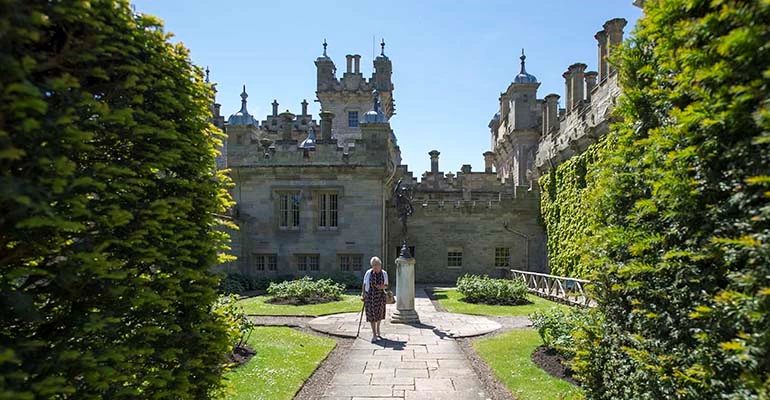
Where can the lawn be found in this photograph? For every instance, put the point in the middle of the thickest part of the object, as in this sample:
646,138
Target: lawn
509,355
285,359
451,299
258,306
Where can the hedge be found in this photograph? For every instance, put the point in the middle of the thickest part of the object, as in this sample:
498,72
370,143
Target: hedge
108,208
681,211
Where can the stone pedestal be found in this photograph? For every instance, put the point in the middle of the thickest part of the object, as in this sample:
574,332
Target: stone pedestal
405,313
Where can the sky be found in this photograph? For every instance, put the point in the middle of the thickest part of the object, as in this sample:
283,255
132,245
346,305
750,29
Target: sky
451,58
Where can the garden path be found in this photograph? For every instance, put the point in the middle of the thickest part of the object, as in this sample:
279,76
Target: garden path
420,361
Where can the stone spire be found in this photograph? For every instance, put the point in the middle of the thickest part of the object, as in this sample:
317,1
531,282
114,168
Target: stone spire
523,76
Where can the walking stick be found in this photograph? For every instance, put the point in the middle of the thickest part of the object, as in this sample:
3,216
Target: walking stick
360,318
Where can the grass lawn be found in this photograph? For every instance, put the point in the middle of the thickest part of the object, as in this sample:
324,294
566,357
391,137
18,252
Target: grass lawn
285,359
509,355
257,306
451,300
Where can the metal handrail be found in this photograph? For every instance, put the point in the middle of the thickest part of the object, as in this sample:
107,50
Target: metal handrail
569,290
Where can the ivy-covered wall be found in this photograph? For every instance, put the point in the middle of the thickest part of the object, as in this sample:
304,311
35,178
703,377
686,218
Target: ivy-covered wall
563,205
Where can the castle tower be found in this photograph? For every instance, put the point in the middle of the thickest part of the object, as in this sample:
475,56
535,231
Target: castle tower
349,97
518,127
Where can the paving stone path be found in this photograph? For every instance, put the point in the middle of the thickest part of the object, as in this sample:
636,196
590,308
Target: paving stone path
413,362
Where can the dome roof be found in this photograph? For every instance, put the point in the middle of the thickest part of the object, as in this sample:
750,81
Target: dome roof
242,117
523,76
375,116
309,142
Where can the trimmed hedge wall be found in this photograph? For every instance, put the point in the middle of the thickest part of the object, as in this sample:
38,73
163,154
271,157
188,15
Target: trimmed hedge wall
680,211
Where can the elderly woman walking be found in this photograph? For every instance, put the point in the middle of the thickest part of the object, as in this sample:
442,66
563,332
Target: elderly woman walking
373,295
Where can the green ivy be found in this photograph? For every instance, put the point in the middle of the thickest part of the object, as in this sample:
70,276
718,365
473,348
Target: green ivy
109,204
563,205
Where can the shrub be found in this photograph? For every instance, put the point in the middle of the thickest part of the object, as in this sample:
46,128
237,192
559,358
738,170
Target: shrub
558,328
681,244
483,289
306,291
109,201
239,326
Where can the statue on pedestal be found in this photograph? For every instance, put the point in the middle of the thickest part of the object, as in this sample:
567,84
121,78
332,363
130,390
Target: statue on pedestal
402,198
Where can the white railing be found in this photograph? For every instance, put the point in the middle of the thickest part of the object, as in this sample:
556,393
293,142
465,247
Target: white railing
568,290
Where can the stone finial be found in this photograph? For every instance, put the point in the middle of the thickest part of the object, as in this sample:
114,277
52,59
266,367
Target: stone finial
434,161
304,106
324,44
207,74
382,45
466,169
275,107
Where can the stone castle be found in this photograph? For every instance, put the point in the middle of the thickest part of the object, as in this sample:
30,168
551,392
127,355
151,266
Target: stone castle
314,197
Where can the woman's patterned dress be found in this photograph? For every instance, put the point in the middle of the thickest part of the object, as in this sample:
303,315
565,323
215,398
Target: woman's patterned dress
374,301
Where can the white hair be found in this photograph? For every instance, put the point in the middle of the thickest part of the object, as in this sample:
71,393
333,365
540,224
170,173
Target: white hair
375,259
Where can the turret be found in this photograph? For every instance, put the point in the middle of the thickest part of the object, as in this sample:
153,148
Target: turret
325,72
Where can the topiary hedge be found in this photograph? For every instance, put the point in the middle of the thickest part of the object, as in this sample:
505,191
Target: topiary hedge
483,289
681,244
108,208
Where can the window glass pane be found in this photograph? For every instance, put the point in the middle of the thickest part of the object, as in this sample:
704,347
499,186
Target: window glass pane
322,210
259,262
454,259
302,263
272,262
332,210
295,199
284,210
502,257
353,119
314,265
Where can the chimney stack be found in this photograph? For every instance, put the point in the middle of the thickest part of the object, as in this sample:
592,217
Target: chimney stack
601,38
567,90
552,112
434,161
357,63
577,72
288,119
614,29
590,83
349,59
489,158
326,125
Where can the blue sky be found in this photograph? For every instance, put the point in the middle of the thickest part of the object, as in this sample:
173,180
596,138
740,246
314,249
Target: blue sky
451,59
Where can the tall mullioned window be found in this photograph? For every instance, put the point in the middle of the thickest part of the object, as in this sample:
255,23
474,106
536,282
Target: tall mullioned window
502,256
350,262
288,210
327,210
353,119
308,262
265,262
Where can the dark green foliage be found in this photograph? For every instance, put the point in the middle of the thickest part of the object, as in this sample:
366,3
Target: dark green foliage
306,291
682,209
558,327
483,289
108,204
349,279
